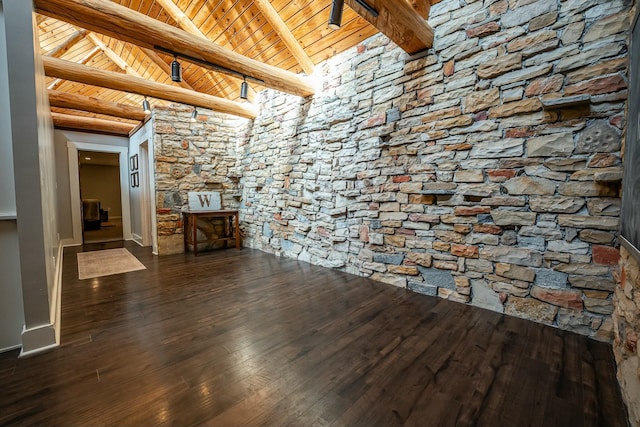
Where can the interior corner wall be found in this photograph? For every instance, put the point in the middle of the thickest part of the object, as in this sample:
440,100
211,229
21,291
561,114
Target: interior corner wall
63,195
11,309
457,174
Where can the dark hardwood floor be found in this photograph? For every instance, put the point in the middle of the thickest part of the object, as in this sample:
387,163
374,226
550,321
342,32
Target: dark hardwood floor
244,338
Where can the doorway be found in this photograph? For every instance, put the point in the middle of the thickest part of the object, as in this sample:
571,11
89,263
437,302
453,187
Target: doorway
73,149
99,176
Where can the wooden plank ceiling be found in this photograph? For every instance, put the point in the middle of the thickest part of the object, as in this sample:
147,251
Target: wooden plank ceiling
289,35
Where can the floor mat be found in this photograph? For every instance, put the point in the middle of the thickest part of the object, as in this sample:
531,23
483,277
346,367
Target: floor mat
107,262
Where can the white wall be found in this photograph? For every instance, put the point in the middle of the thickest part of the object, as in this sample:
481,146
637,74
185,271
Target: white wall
11,311
7,194
142,136
34,178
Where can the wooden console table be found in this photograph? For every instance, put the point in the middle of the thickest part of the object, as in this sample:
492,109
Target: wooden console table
231,227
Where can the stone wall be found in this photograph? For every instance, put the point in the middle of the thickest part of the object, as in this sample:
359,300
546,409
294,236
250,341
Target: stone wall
486,172
627,329
192,156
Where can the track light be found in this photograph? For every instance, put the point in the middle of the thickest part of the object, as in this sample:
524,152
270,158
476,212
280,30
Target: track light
146,107
335,19
176,70
194,114
368,8
244,89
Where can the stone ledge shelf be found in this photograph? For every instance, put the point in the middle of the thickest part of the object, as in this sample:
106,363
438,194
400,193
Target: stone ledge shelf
565,102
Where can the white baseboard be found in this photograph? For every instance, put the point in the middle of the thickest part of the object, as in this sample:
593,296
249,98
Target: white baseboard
56,296
2,350
37,340
45,337
69,242
137,238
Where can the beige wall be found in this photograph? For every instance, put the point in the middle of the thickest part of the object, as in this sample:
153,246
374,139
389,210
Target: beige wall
103,183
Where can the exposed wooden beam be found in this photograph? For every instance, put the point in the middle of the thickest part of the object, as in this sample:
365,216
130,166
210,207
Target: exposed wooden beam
62,69
114,57
88,103
421,6
68,121
56,83
187,24
124,65
156,59
117,21
180,17
280,27
64,47
399,21
40,19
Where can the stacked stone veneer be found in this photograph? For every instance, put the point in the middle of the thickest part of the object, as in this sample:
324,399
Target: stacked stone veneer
192,156
627,329
445,174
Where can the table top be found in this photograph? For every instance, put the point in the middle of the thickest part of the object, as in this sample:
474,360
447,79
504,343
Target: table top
216,212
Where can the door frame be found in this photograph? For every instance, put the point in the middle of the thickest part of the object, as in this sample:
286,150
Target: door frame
146,209
74,185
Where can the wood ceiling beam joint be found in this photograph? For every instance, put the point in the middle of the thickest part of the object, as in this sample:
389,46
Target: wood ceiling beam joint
187,25
114,57
56,83
67,44
280,27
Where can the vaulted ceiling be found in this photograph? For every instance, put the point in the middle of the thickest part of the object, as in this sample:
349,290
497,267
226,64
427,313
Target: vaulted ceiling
288,35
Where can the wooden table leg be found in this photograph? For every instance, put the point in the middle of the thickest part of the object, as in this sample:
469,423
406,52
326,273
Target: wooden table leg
236,230
194,219
227,232
185,231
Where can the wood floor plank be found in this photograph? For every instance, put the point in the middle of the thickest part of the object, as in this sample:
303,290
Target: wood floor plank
245,338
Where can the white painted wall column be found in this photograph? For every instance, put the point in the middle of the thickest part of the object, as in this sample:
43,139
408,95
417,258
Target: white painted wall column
34,174
11,312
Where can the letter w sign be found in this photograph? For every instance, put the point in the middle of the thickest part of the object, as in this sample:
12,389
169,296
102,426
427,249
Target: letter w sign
204,201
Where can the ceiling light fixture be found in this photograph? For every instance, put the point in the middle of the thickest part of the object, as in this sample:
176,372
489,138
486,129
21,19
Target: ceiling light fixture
209,65
176,70
244,89
146,107
194,114
335,19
